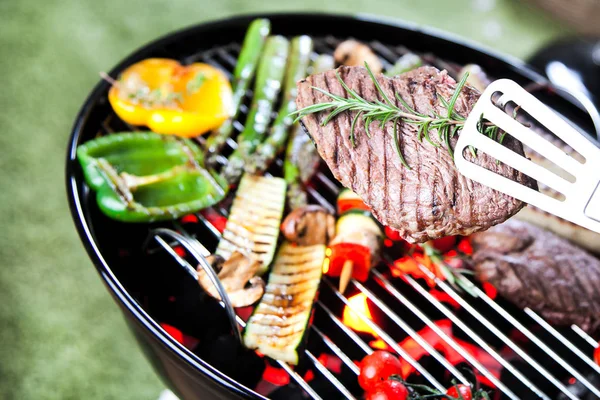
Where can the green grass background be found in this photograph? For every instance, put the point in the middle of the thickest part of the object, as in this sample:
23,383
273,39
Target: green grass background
61,335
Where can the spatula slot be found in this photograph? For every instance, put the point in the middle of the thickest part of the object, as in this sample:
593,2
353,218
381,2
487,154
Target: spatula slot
496,167
539,145
525,109
528,121
504,154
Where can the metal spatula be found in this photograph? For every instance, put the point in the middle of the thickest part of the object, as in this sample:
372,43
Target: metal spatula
581,204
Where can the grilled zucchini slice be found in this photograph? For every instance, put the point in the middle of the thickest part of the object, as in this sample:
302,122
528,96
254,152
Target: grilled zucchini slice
254,219
278,325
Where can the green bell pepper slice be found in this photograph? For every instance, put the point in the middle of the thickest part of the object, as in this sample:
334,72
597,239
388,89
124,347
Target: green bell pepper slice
145,177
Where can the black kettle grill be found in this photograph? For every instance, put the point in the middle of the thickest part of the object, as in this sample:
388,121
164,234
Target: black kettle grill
187,336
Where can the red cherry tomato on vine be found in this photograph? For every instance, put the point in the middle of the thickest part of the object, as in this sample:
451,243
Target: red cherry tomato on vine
376,368
389,390
464,390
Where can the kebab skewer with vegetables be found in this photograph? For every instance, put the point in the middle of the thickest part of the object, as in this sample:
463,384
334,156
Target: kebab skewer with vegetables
357,243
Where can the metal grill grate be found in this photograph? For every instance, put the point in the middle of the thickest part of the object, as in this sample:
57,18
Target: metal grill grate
535,369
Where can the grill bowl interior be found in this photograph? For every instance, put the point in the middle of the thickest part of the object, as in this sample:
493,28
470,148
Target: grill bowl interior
151,289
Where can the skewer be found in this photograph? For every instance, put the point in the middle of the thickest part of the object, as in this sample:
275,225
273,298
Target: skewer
346,275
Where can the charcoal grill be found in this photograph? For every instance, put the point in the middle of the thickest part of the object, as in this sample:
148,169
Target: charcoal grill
187,336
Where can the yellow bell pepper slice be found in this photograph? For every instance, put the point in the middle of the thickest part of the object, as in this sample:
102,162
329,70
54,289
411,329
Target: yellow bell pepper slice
171,98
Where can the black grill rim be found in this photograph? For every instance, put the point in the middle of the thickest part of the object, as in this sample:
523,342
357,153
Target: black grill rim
76,188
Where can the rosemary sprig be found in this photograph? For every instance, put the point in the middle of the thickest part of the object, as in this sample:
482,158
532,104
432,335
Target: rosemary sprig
454,276
447,126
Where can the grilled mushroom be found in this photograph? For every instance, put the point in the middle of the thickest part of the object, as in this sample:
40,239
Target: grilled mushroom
237,276
309,225
477,76
354,53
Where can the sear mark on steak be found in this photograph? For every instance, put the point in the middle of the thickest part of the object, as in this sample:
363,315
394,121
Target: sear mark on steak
534,268
432,199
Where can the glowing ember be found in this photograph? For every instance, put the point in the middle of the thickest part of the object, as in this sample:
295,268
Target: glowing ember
464,245
189,219
309,376
244,312
216,220
597,354
173,332
180,251
416,351
331,362
410,265
358,304
186,340
276,376
444,297
490,290
380,345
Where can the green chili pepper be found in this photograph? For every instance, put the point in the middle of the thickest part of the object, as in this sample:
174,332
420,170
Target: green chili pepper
144,177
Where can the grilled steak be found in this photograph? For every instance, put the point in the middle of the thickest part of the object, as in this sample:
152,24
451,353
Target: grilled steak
534,268
428,201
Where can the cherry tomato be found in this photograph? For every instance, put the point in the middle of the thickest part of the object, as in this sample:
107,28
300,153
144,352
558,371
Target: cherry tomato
597,355
376,368
464,390
444,244
389,390
359,254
